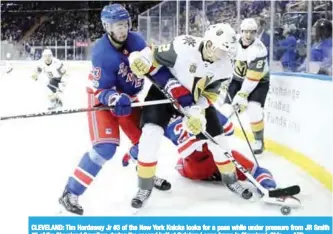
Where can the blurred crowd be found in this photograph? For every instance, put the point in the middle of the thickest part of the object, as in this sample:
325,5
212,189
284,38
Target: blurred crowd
33,24
290,27
77,24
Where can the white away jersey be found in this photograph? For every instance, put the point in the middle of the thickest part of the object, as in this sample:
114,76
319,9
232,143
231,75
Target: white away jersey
53,70
184,58
251,62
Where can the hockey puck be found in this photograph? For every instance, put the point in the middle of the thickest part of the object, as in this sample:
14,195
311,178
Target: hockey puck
285,210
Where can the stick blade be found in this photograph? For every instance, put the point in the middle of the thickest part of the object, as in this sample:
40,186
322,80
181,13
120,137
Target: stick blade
288,191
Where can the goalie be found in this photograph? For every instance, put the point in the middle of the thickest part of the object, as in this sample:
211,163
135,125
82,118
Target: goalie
54,69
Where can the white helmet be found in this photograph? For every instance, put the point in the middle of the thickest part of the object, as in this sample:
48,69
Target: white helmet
249,24
223,36
47,56
47,52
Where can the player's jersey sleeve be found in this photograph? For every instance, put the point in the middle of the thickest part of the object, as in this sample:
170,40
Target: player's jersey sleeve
165,58
103,78
257,65
135,42
60,67
165,54
228,127
186,143
39,68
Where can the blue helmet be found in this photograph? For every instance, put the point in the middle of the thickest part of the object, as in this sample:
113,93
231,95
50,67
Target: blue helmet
114,13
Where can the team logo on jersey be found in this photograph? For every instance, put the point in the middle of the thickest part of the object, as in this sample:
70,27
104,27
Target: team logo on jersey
108,131
193,68
241,68
123,69
189,41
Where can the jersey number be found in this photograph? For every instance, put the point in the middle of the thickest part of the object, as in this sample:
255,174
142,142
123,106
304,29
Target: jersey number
183,135
260,63
164,48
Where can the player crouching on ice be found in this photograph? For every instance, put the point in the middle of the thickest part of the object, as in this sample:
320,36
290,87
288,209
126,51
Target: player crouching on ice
197,161
54,69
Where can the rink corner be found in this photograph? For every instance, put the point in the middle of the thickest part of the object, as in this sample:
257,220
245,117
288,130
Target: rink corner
302,161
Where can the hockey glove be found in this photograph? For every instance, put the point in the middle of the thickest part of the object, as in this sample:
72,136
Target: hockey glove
195,122
139,64
179,92
131,156
121,103
240,101
34,76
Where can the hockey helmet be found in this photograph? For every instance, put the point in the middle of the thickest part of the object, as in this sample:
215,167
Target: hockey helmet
249,24
222,36
323,28
112,17
249,29
47,56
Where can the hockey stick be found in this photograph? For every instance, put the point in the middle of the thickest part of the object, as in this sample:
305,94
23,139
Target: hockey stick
288,191
243,131
79,110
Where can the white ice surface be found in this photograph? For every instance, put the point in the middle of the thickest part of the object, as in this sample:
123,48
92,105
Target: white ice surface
38,155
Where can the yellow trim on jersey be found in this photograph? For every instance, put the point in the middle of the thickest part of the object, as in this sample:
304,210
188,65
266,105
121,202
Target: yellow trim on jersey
299,159
211,96
254,75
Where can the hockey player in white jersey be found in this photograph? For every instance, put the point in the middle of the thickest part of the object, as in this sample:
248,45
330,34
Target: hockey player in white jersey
250,82
198,67
54,70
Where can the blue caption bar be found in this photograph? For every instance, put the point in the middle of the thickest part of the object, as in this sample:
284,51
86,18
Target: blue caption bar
180,225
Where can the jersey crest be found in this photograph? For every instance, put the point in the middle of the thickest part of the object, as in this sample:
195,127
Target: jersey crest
193,68
189,41
241,68
124,71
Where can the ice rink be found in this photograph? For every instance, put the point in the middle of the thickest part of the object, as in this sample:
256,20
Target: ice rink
38,155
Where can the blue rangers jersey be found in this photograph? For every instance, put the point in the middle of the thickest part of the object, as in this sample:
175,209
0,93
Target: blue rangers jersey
110,68
186,142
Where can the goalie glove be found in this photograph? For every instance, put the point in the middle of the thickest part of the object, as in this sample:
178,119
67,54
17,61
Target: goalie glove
195,121
240,101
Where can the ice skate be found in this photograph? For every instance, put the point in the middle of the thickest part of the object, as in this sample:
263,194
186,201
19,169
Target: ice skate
70,202
258,147
161,184
57,103
140,198
240,190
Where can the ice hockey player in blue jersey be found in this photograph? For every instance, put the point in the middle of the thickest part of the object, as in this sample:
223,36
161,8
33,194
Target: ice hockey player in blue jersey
196,160
112,84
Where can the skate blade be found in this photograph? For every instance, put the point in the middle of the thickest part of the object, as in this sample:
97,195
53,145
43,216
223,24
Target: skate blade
63,212
289,201
135,211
